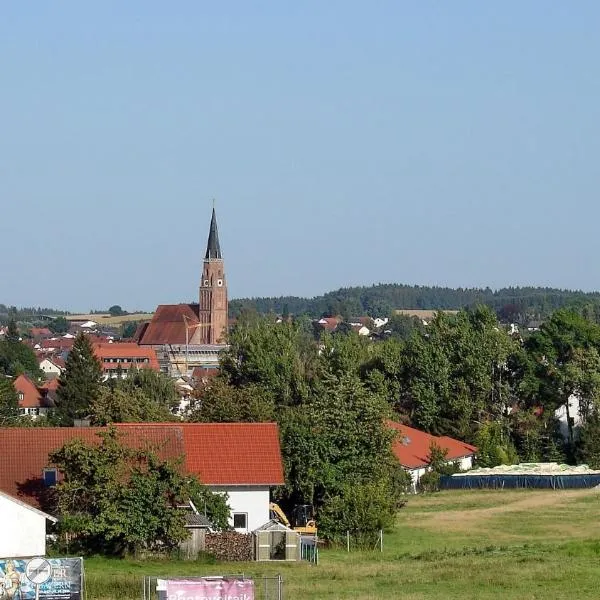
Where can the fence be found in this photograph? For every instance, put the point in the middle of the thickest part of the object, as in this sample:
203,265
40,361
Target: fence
309,548
264,588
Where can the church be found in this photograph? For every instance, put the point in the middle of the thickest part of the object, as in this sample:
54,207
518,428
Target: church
186,336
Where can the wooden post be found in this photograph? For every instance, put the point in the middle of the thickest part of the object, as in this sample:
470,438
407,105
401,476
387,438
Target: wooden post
348,541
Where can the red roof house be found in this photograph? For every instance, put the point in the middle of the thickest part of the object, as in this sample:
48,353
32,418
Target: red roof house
241,459
33,401
412,446
121,356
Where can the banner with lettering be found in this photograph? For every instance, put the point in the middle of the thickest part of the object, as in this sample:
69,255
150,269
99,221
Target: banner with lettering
55,578
206,588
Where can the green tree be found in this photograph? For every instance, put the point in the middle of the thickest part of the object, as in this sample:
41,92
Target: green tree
588,449
80,383
59,325
116,500
220,402
116,311
566,361
279,357
339,434
158,388
16,357
9,403
128,329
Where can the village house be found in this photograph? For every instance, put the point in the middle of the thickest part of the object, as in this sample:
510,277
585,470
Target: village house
242,460
34,402
412,447
118,357
52,366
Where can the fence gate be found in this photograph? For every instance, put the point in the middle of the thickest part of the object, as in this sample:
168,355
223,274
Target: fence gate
216,587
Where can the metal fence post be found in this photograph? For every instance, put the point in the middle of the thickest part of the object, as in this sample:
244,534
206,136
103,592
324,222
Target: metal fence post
348,541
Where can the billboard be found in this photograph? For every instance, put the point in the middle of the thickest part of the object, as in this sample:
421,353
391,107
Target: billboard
206,588
55,578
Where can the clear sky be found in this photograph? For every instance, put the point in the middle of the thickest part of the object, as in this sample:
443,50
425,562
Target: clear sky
450,143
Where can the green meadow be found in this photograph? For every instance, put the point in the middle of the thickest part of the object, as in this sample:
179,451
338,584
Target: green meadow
476,544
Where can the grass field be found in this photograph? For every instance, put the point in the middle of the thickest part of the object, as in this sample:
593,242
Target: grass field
107,319
467,545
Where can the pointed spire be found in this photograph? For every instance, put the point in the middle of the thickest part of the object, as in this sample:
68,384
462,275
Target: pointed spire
213,249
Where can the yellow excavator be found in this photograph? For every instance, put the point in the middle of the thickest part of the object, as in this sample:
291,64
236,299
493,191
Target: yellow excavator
303,519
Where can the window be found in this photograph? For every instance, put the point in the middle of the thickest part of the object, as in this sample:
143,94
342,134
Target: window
219,282
21,396
50,476
240,520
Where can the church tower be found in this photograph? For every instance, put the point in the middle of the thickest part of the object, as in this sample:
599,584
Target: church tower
213,307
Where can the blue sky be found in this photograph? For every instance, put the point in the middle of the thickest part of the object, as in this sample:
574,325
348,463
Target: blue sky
345,143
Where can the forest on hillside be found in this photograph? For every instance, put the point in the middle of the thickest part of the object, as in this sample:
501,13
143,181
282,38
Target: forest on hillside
514,304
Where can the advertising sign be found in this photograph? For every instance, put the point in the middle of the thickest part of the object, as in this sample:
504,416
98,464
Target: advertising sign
54,578
206,588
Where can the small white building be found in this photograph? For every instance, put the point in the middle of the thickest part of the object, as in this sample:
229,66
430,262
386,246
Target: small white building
23,529
50,368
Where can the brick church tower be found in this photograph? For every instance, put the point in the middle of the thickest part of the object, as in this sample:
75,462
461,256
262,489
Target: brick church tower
213,308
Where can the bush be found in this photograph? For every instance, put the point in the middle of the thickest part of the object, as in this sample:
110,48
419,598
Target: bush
429,482
363,509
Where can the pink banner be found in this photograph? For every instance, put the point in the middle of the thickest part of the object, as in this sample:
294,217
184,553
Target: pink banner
210,589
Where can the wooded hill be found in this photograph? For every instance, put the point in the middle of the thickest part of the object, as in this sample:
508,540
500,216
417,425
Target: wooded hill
511,304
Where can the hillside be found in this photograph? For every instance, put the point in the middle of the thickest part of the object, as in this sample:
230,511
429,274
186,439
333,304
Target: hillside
513,303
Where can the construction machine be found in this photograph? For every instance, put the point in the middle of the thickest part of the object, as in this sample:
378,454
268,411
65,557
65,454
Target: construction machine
302,521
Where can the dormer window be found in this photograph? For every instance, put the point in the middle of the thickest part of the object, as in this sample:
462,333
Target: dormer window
50,475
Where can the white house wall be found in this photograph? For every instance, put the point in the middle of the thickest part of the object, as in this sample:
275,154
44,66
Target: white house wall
23,530
251,500
465,463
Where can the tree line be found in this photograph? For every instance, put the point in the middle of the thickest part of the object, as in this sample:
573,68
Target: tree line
512,304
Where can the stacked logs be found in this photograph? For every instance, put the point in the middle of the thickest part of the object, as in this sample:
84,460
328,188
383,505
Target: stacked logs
230,546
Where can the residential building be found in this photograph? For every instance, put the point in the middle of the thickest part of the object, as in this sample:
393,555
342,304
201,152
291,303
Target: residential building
118,357
23,528
33,401
186,336
412,447
242,460
52,366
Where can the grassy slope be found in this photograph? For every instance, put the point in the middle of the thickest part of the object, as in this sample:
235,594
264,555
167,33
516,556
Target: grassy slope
482,544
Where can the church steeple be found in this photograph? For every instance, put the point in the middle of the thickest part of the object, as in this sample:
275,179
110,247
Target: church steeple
213,249
212,305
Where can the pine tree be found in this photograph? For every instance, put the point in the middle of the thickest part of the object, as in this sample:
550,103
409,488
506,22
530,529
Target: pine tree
79,385
9,403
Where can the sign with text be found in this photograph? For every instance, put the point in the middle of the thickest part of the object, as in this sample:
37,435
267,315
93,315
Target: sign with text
206,588
54,578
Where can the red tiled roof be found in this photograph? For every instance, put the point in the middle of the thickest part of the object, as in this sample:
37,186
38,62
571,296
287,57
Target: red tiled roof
125,350
57,343
411,446
37,332
168,325
50,385
227,454
32,398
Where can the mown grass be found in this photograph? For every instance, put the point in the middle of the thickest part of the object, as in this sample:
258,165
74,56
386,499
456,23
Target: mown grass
479,545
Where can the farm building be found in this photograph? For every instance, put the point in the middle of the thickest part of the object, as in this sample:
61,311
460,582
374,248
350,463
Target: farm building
411,447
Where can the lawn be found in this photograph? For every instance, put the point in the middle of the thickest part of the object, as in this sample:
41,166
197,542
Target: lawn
468,545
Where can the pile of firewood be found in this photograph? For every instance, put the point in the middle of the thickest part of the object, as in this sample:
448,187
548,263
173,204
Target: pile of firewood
230,546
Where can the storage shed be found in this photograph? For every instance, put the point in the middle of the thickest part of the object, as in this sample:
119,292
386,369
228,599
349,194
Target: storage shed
275,541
